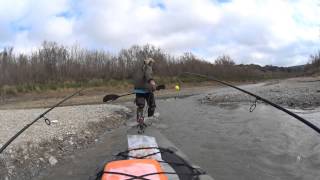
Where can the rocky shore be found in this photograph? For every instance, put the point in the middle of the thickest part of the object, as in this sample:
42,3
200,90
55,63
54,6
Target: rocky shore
301,93
41,146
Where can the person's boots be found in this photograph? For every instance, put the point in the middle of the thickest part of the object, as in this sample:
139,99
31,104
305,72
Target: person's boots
151,111
140,115
140,119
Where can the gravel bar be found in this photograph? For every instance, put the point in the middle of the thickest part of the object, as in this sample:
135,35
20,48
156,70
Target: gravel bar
72,128
300,93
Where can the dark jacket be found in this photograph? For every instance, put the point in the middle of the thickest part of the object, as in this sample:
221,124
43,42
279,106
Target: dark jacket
142,78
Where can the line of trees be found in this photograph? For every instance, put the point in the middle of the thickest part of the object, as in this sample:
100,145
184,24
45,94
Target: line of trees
314,66
53,63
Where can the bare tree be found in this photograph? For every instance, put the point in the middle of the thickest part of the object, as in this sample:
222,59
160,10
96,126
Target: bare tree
53,63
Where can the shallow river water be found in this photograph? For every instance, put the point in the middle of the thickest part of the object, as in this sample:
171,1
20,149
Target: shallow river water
232,143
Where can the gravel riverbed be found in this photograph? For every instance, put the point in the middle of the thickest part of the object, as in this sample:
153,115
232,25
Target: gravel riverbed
72,128
301,93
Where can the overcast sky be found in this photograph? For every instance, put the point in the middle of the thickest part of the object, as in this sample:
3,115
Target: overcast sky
264,32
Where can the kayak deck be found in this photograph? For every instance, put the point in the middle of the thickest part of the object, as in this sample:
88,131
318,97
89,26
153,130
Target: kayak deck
152,145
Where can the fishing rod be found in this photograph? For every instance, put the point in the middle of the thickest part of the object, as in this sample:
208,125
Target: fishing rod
46,120
306,122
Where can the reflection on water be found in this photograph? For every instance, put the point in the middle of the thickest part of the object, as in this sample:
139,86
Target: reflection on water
232,143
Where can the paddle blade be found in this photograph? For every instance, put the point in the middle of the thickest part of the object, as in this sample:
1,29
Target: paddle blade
110,97
159,87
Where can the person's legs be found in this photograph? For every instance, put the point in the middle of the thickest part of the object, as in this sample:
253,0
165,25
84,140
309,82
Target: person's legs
140,102
151,104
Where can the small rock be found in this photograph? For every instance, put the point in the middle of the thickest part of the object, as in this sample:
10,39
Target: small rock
52,160
299,158
41,159
54,121
70,133
71,142
26,157
24,149
60,138
10,169
157,114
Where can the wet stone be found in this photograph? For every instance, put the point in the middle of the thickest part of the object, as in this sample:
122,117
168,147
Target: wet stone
52,160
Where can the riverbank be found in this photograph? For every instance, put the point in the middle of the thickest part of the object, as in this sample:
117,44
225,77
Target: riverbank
93,96
301,93
72,128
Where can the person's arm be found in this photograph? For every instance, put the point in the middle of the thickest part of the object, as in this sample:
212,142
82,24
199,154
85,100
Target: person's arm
149,77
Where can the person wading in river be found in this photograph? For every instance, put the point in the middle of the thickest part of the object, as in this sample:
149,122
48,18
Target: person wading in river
144,86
